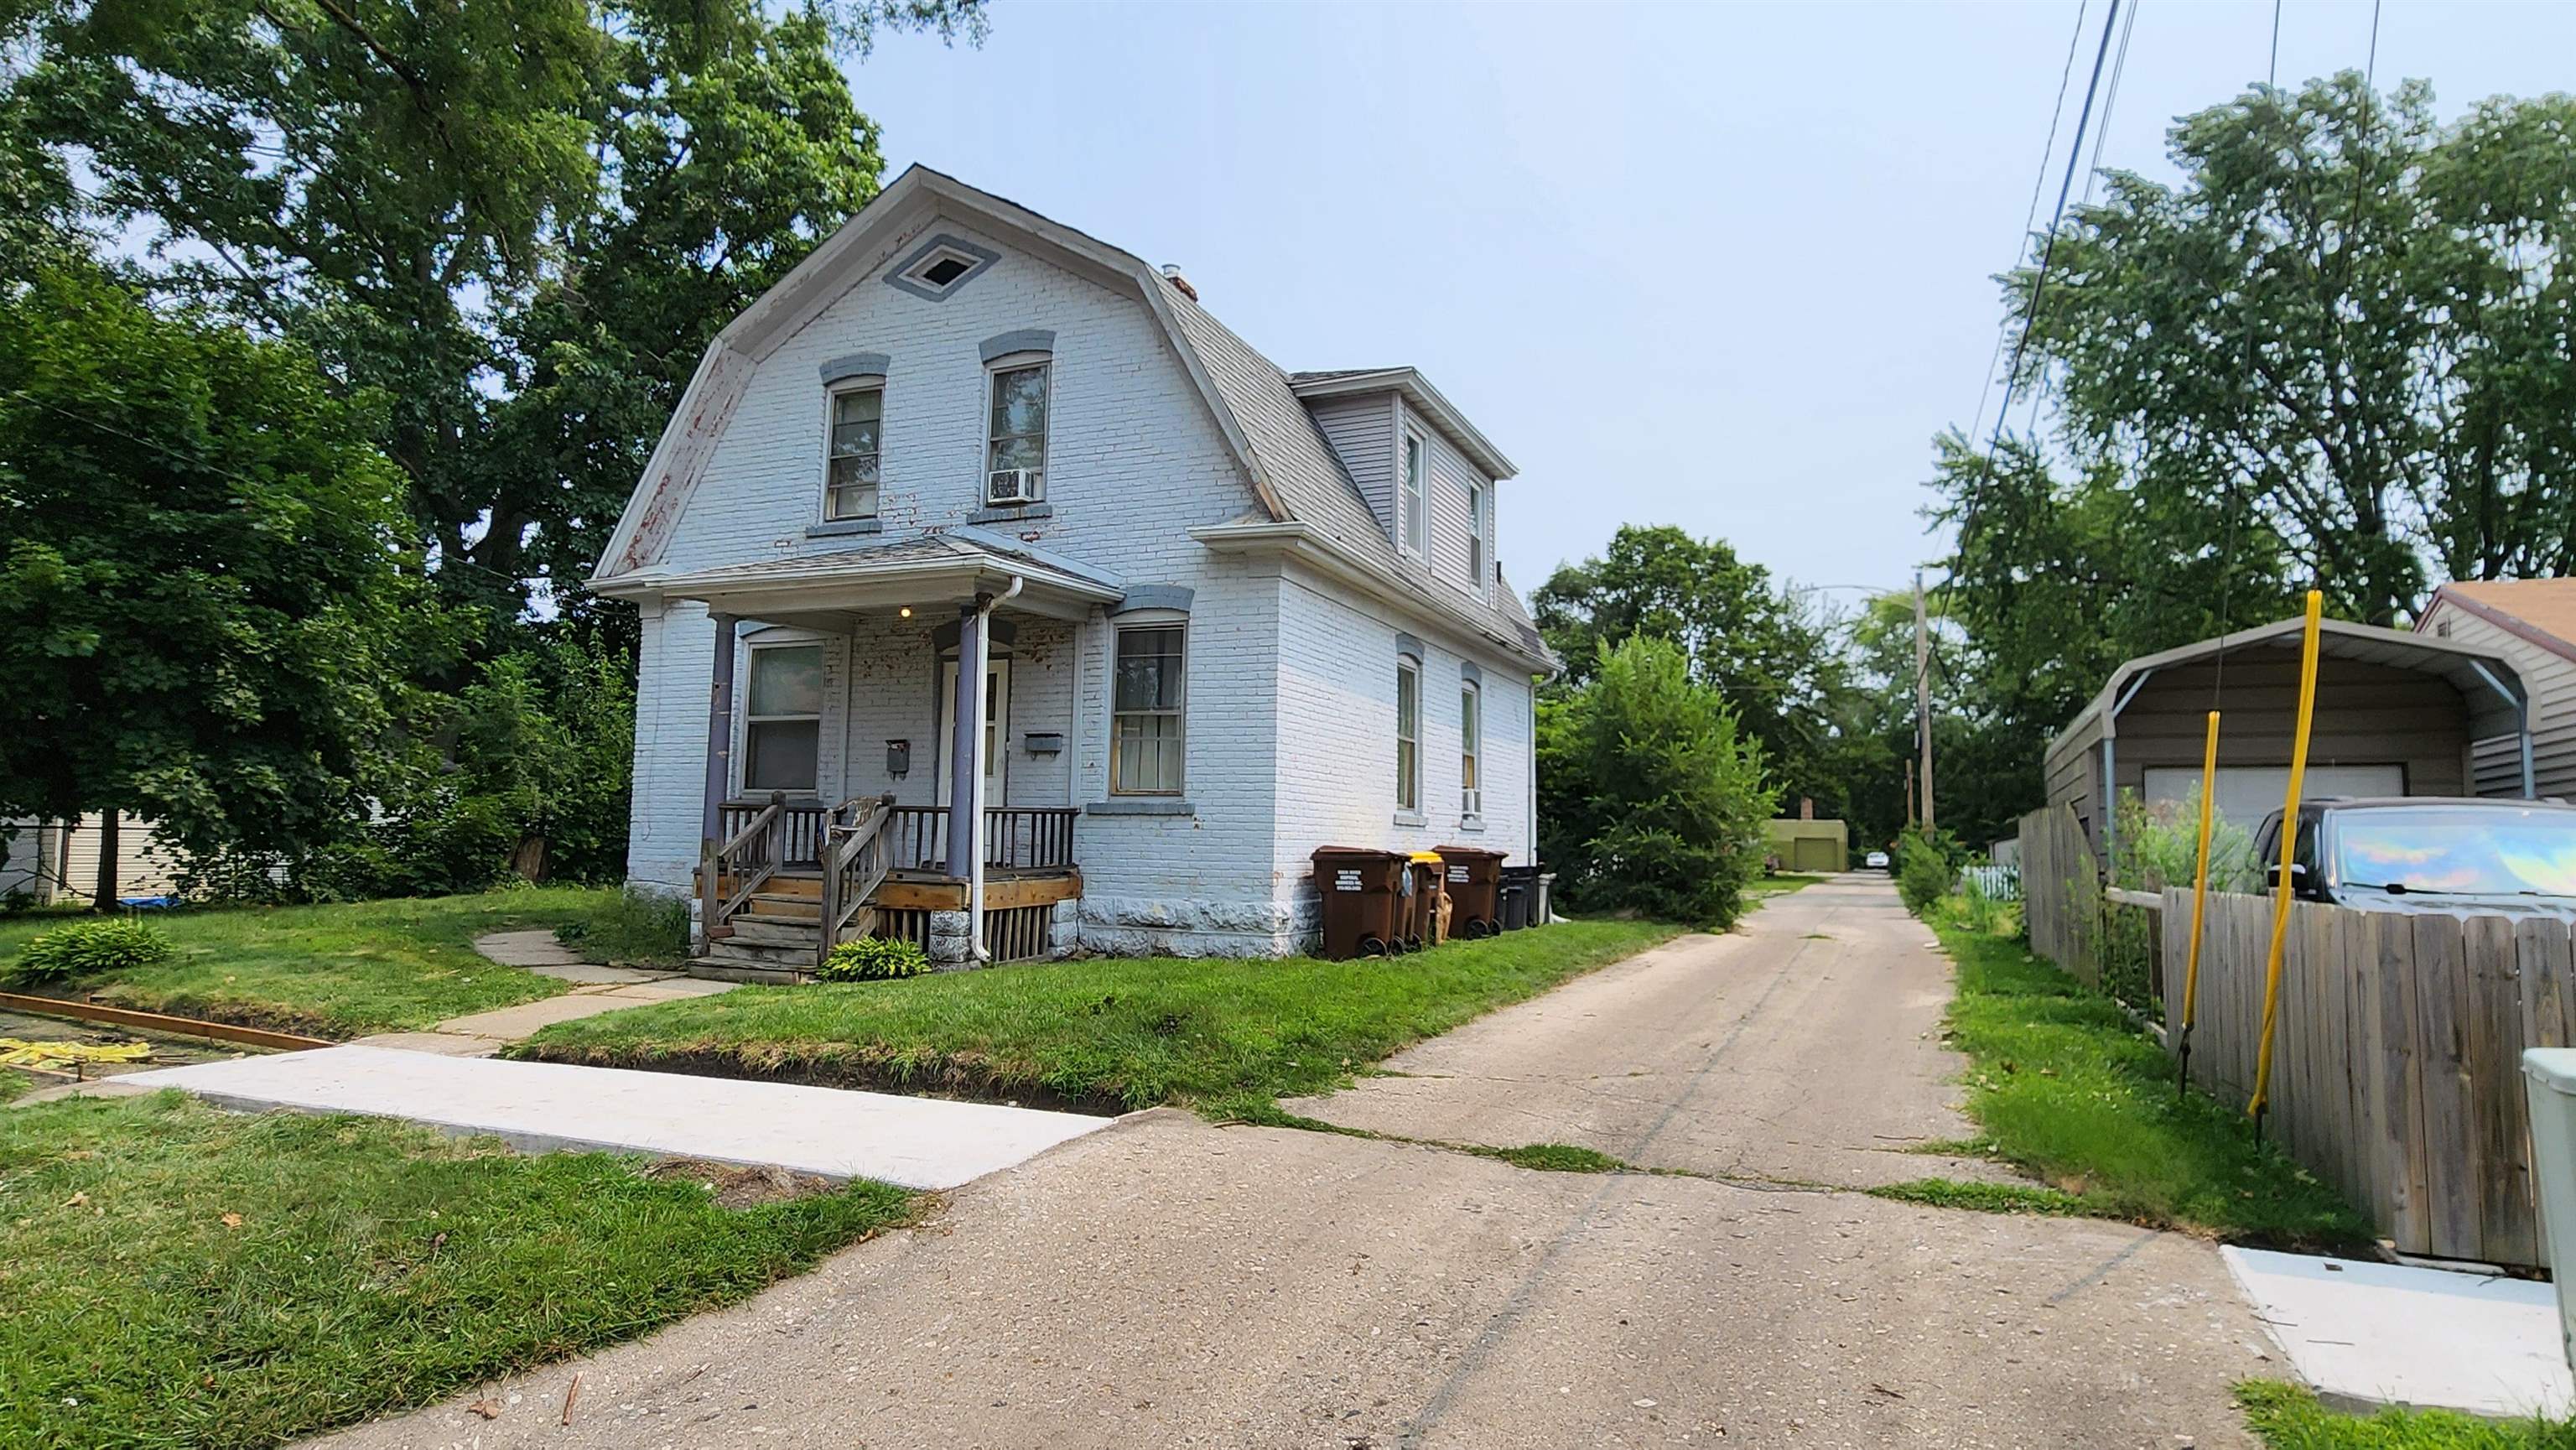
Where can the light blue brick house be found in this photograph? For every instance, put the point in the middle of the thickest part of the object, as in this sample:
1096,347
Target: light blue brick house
1227,613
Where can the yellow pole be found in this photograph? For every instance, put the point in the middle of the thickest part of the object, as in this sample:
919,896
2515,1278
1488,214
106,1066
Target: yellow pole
2199,889
2289,844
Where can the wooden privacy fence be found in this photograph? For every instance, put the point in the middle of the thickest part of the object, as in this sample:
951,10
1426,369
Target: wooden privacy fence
2396,1071
2061,891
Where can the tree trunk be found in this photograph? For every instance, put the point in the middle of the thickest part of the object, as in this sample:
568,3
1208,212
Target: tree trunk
105,897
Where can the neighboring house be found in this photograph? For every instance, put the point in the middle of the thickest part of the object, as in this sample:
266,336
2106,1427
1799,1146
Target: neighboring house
47,863
2532,624
2395,715
1235,613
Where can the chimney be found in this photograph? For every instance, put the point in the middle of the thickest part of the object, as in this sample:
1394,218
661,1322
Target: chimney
1806,808
1172,274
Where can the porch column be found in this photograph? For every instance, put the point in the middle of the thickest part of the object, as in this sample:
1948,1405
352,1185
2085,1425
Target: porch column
965,718
719,735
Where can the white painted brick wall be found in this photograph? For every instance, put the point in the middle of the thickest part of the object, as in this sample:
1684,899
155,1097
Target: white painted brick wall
1337,726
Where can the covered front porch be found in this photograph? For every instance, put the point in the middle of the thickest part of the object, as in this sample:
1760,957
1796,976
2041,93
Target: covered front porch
858,784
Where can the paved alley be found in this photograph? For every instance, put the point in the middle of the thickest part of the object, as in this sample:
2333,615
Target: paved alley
1169,1282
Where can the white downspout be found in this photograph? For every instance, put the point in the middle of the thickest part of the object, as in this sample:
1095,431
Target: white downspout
975,778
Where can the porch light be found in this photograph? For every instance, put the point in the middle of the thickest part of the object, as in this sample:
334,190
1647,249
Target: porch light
905,611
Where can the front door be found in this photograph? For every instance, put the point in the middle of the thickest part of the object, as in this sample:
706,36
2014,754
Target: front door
997,727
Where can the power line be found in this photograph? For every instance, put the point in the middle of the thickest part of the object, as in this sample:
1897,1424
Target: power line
2030,217
2038,285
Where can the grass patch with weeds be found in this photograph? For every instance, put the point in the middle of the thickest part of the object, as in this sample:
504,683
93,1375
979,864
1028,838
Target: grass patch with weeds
339,970
2290,1418
175,1275
2062,1086
1555,1158
1228,1037
1984,1197
1779,884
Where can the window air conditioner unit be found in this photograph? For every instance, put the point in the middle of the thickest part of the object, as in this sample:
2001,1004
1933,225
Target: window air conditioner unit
1013,485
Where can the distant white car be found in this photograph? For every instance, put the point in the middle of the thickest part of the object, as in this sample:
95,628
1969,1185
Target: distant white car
1875,860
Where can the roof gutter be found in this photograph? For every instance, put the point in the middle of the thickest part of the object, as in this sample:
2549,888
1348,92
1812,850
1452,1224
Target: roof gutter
1303,542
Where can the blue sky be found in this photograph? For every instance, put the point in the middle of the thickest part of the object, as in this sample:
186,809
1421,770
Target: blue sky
1726,266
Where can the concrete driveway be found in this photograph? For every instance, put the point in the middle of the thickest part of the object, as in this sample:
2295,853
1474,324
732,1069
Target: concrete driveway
1167,1282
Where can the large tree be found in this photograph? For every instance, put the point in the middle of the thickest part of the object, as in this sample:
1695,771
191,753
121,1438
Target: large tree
519,221
2348,323
207,594
1770,652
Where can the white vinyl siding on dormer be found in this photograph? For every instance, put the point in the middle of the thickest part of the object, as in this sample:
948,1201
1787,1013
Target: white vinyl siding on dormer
1362,432
1450,476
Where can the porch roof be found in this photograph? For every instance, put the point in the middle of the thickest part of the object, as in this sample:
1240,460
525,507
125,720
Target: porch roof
947,566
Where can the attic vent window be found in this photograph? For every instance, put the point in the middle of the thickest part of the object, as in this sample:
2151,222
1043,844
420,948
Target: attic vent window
941,266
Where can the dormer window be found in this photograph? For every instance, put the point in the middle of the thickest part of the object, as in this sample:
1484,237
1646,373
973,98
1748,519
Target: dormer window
1477,523
1016,437
1413,519
858,422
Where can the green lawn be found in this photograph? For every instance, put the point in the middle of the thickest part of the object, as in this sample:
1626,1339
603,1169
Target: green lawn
2289,1418
1784,882
1225,1036
371,1266
2064,1087
342,970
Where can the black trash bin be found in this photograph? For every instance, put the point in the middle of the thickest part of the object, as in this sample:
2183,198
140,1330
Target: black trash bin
1362,892
1520,885
1511,906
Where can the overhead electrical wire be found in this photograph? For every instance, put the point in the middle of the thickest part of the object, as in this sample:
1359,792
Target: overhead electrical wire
2038,185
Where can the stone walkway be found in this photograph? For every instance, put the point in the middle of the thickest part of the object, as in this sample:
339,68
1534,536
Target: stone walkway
596,989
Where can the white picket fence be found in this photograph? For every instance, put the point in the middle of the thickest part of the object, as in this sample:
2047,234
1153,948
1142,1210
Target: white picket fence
1999,883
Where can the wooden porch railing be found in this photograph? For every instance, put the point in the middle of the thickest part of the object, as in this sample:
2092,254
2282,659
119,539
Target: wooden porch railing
747,857
855,862
1014,836
802,825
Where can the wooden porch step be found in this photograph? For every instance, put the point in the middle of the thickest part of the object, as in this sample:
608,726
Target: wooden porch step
780,932
789,905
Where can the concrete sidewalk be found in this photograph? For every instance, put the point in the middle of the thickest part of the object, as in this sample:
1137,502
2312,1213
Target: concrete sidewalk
596,989
915,1142
2366,1334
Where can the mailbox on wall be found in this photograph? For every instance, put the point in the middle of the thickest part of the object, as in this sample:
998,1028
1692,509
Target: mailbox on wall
898,757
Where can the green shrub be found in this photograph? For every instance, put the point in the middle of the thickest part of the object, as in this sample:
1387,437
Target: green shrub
1923,871
873,959
1658,802
88,949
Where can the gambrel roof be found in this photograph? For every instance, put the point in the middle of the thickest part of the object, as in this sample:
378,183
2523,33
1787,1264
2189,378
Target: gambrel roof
1295,476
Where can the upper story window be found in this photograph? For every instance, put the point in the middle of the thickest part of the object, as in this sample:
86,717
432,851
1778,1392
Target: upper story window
1471,744
783,718
1016,434
858,422
1408,733
1413,518
1477,525
1146,720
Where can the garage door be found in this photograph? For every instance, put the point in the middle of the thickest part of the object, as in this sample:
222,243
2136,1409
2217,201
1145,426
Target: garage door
2248,793
1814,853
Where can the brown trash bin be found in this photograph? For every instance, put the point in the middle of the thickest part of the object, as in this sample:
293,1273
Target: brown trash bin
1424,930
1361,891
1474,877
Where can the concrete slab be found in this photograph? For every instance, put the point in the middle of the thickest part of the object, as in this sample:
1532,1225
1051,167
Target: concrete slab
592,974
915,1142
526,949
512,1023
2367,1334
445,1044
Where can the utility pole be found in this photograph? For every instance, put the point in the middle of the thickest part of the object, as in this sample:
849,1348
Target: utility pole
1923,693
